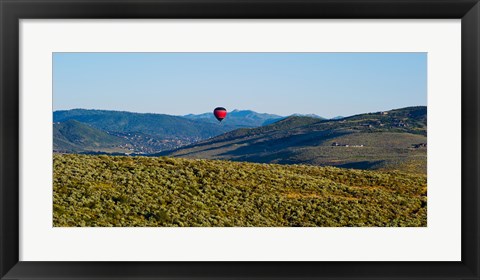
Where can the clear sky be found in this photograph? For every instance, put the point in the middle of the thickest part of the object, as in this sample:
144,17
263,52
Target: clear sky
326,84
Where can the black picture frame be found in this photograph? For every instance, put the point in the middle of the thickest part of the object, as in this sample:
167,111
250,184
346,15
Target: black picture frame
11,11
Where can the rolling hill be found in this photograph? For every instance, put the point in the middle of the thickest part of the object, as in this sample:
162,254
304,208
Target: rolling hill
150,133
394,139
160,125
120,191
74,136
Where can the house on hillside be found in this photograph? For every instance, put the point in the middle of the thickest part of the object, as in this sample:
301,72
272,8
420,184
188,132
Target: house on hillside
336,144
420,145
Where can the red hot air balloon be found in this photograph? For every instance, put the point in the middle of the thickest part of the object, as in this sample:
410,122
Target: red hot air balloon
220,113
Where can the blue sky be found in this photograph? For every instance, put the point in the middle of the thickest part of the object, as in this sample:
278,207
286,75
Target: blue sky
326,84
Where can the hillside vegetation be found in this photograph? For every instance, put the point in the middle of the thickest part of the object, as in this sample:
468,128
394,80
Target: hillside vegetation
146,191
74,136
393,140
147,133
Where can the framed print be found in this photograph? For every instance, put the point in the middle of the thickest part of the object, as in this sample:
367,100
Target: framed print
237,139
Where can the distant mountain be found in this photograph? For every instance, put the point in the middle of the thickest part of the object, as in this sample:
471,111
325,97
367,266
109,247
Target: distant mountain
394,139
150,133
145,133
238,118
165,126
308,115
74,136
337,118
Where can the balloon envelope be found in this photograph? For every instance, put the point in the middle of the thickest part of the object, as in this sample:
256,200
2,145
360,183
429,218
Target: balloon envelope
220,113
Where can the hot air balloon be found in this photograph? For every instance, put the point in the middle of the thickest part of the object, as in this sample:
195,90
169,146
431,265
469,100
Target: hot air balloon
220,113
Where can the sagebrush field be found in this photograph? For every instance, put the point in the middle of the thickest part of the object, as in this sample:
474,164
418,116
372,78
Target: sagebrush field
124,191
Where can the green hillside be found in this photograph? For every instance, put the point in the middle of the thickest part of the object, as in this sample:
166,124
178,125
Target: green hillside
146,191
153,133
161,125
74,136
142,133
385,140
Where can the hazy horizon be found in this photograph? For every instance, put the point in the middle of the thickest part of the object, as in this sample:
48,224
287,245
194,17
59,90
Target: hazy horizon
325,84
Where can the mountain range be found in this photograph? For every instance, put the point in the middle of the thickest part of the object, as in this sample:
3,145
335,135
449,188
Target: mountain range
239,118
393,139
143,133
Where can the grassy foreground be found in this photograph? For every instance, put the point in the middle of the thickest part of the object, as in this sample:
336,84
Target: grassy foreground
142,191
